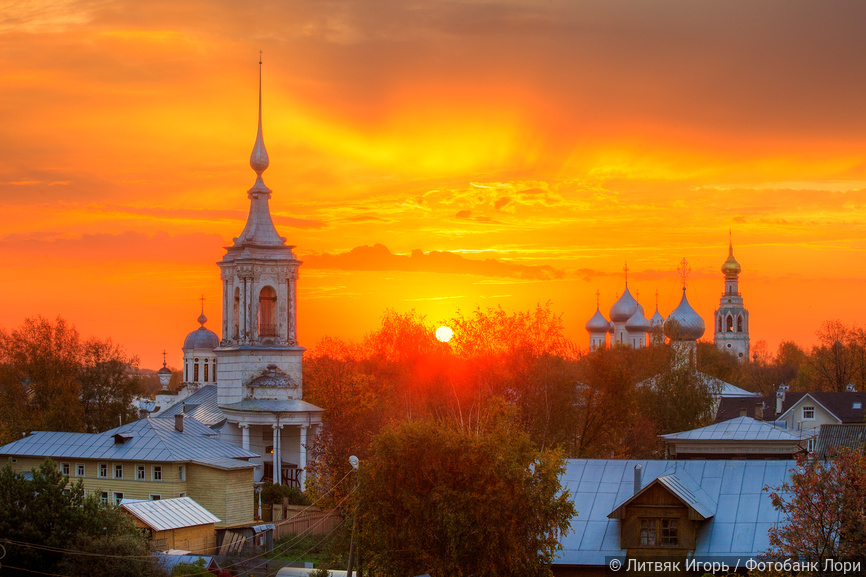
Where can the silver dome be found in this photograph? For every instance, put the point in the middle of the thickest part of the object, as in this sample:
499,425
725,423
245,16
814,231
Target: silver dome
597,324
657,321
622,309
638,323
200,339
684,324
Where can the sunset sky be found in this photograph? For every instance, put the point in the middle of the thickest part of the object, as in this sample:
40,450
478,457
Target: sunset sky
435,155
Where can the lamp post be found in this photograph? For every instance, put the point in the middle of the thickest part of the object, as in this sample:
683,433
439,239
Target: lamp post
353,460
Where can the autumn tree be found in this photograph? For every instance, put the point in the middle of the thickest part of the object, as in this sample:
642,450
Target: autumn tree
442,499
824,507
51,380
679,399
836,361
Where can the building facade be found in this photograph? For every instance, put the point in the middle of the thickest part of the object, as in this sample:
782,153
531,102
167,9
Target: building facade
732,318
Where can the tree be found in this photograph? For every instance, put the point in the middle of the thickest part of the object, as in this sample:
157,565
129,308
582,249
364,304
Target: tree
834,363
678,399
52,381
435,497
47,512
825,509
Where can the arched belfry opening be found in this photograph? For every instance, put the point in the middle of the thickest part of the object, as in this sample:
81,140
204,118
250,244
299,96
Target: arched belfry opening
730,324
268,312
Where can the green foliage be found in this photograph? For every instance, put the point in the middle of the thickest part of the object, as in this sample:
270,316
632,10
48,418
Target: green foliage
274,495
331,551
49,512
437,498
51,380
825,510
189,569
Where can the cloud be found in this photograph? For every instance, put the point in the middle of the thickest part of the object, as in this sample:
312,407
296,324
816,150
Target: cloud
379,258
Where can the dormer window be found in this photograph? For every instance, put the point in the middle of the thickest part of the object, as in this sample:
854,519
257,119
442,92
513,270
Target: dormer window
857,405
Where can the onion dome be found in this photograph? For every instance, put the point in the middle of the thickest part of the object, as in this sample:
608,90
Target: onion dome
731,267
201,338
684,324
622,309
657,321
638,323
597,324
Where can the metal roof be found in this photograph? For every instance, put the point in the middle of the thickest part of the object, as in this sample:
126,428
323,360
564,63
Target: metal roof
738,527
835,437
150,440
738,429
206,409
684,487
274,406
166,514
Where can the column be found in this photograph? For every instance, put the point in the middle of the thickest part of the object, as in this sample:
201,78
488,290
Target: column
248,286
276,455
292,308
226,311
302,456
242,308
245,434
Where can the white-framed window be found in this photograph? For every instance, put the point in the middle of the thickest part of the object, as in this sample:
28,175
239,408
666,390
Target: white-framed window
79,469
156,473
181,473
808,413
103,470
155,497
104,497
810,445
65,468
181,494
139,473
118,471
118,497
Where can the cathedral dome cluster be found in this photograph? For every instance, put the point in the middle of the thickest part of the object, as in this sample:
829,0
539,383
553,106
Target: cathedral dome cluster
629,325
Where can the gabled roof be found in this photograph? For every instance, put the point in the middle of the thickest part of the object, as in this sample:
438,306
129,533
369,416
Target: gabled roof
832,437
727,389
201,406
738,528
842,405
684,488
813,397
166,514
738,429
149,440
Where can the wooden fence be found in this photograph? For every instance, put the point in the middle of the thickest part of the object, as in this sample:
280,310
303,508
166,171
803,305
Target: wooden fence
317,523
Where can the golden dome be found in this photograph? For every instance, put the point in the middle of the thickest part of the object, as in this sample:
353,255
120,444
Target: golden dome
731,267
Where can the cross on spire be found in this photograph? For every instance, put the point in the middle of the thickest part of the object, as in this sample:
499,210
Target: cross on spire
683,271
597,299
625,270
202,303
163,358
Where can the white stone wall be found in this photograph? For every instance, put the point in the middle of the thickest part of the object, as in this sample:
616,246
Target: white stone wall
238,366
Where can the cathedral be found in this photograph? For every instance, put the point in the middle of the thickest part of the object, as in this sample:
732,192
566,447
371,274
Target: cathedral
246,384
628,325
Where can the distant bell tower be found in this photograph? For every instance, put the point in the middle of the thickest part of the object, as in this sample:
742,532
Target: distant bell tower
731,318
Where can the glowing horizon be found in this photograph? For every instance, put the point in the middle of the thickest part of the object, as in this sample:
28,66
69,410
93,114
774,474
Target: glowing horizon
435,156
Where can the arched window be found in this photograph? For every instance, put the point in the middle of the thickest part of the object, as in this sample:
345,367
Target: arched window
186,369
195,371
214,370
236,312
740,324
730,324
720,325
206,367
268,312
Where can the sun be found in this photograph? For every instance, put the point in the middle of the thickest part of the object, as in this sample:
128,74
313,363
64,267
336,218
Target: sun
444,334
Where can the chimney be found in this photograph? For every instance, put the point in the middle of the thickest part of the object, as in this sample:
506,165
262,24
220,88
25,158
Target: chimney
178,422
743,412
759,411
851,388
780,398
637,472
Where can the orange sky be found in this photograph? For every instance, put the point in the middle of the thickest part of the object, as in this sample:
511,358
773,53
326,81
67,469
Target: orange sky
532,147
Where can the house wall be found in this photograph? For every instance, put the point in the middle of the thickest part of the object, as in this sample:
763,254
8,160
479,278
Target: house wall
227,494
197,539
795,420
657,503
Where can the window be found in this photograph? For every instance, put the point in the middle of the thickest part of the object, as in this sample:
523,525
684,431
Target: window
268,312
118,471
104,497
647,531
155,497
659,532
156,474
810,445
669,533
181,494
195,371
181,473
857,405
79,470
139,473
730,324
206,367
118,497
808,413
739,324
103,470
65,468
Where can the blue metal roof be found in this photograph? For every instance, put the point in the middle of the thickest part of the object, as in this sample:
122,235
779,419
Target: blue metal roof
201,406
165,514
738,429
149,440
730,493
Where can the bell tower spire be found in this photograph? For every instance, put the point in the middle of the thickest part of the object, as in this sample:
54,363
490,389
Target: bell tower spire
732,318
